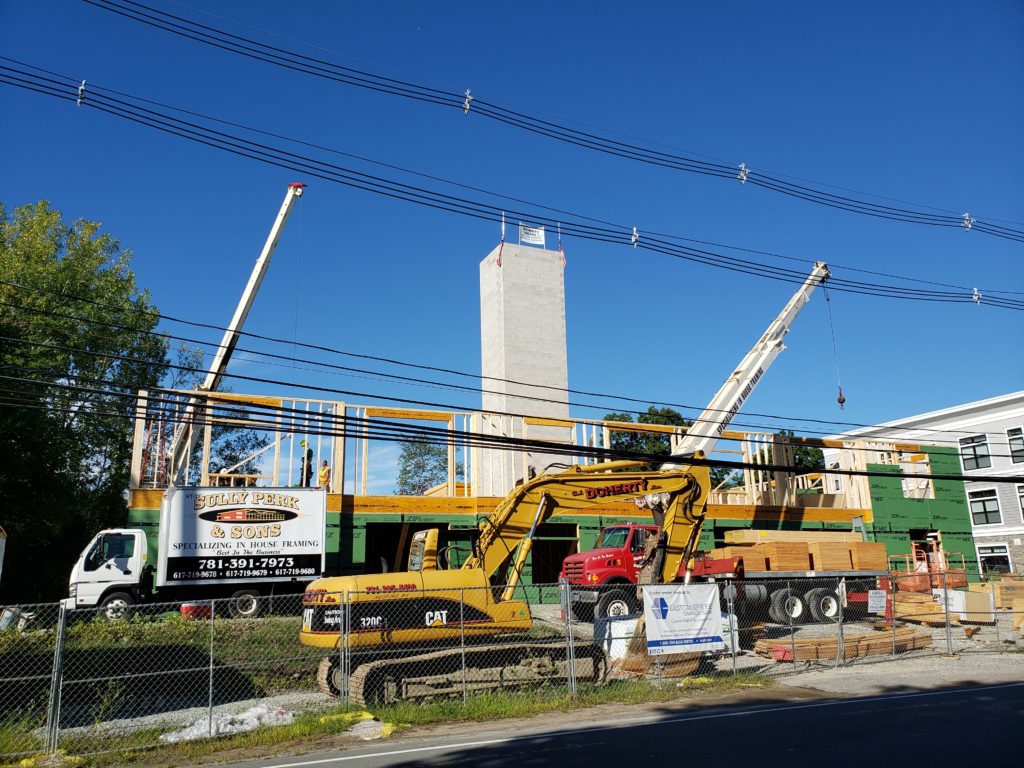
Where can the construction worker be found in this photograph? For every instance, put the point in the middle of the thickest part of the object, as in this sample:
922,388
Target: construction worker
306,466
324,476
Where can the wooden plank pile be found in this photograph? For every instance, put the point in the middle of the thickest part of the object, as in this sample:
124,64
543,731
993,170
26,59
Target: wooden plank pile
802,551
1005,592
854,645
921,608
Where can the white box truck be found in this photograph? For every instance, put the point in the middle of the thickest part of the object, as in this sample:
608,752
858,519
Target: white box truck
237,543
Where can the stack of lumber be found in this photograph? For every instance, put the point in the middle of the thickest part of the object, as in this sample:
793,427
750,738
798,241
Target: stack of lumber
830,556
787,556
1005,592
753,557
854,645
802,551
868,556
921,609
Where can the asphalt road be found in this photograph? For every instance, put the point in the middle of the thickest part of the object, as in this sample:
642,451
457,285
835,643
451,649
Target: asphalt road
947,727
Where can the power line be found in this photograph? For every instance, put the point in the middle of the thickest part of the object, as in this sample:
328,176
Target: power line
448,407
477,377
591,140
620,234
491,441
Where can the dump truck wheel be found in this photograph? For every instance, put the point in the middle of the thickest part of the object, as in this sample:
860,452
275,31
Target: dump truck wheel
614,602
823,604
788,605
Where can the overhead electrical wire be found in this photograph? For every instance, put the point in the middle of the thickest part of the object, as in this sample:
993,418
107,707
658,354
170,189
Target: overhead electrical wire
625,427
395,432
426,382
594,140
620,234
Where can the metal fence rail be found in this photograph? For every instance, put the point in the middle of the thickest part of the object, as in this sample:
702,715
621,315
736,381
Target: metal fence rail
82,682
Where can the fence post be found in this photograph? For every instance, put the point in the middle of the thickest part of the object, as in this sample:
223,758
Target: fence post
213,619
840,642
945,600
565,597
462,640
995,614
789,617
730,592
344,668
892,611
56,685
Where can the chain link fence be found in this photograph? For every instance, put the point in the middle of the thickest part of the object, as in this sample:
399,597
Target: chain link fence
88,681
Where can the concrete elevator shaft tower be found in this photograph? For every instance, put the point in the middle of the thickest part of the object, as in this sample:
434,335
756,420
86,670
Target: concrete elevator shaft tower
523,353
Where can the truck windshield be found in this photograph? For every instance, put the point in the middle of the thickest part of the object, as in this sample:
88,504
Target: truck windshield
613,538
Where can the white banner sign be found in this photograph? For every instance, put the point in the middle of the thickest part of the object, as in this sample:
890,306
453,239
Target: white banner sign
531,235
241,534
682,618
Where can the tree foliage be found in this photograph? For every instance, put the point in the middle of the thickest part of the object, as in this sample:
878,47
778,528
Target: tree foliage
805,457
659,443
421,466
73,311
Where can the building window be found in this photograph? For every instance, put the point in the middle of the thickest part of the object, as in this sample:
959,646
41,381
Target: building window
1020,499
995,559
984,507
974,453
1015,437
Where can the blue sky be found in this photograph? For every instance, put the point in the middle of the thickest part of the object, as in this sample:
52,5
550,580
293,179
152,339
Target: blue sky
916,101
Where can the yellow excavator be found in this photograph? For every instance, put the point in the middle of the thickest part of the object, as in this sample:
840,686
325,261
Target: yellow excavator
430,632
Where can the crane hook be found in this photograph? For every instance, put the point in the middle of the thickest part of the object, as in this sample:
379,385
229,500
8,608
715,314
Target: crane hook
841,399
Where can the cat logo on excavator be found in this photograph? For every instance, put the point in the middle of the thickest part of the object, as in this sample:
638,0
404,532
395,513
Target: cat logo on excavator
436,618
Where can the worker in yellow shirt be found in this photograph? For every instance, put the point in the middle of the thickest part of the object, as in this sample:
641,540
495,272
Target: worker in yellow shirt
324,476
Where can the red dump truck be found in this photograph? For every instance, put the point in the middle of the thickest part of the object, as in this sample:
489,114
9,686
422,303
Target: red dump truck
603,579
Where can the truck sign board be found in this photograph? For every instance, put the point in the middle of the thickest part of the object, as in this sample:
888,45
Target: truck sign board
682,618
241,534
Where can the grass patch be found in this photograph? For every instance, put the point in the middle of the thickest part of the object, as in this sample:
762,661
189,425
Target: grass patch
308,728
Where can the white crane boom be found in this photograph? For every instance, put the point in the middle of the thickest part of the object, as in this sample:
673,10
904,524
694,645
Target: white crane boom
715,419
185,436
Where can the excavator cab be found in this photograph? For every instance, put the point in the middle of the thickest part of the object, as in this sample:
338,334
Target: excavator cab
423,551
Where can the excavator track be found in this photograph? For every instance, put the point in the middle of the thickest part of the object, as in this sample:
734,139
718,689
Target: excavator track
440,674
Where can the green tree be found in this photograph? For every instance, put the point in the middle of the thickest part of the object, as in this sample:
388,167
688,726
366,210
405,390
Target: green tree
805,457
422,466
658,443
65,396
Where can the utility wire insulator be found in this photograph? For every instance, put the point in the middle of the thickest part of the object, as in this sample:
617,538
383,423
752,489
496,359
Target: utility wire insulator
976,296
742,175
636,237
81,94
465,104
968,221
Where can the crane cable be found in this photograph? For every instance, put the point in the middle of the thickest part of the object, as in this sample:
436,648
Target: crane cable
841,399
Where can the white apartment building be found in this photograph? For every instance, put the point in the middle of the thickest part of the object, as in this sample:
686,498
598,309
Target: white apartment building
989,435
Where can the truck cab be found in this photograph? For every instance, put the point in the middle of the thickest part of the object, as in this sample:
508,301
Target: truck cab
604,578
109,571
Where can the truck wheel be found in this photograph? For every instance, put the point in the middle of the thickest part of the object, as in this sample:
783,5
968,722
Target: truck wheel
245,604
823,604
116,606
614,602
788,605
